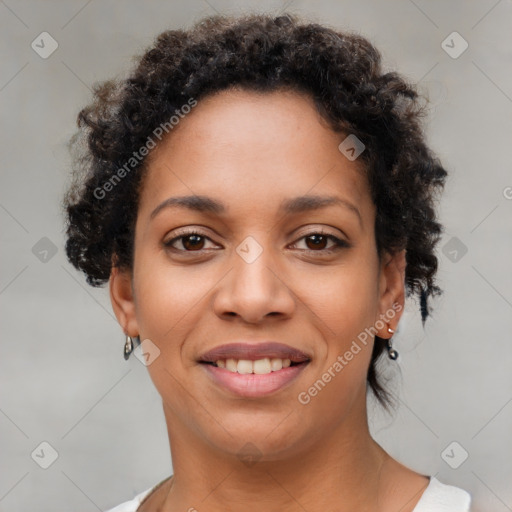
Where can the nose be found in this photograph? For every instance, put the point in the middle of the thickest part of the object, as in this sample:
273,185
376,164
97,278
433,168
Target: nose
254,289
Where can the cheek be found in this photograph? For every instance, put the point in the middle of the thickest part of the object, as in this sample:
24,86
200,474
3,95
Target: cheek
168,296
338,386
346,301
345,298
167,309
340,375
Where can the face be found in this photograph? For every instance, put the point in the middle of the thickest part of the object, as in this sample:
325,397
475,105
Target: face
246,261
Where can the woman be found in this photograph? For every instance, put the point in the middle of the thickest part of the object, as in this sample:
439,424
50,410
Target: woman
259,196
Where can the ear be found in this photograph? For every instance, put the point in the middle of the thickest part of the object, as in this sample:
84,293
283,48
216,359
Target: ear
391,291
122,298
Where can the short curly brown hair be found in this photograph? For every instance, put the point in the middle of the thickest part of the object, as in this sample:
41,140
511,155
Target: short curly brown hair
341,71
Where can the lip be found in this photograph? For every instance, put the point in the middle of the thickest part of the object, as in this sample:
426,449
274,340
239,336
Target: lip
254,351
253,385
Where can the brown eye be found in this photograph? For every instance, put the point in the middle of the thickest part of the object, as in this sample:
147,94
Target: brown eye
317,241
190,242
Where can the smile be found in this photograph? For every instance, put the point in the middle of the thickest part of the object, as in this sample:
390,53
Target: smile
249,383
259,367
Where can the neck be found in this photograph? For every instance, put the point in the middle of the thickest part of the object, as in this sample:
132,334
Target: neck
343,468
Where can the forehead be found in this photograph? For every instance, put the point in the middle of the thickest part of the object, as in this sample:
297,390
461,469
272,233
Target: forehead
252,148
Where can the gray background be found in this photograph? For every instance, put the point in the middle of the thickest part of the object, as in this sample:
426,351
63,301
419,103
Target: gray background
64,380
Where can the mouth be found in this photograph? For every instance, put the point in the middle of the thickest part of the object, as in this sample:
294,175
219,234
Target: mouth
254,370
262,366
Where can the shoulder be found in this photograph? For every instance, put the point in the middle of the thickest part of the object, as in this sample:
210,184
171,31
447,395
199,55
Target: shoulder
439,497
142,498
133,504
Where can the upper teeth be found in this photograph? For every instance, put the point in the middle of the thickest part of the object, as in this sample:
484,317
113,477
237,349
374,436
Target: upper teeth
260,366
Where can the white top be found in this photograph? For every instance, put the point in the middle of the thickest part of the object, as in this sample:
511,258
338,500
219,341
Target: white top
437,497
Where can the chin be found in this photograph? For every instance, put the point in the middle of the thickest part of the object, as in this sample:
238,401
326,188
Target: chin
262,438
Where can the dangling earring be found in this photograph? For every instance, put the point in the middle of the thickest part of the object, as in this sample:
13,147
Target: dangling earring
392,353
128,346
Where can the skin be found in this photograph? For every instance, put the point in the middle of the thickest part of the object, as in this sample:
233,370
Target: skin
251,151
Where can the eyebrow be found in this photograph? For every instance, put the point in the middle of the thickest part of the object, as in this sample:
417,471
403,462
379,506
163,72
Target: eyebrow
292,206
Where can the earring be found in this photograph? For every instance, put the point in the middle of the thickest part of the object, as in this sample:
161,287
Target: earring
392,353
128,346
